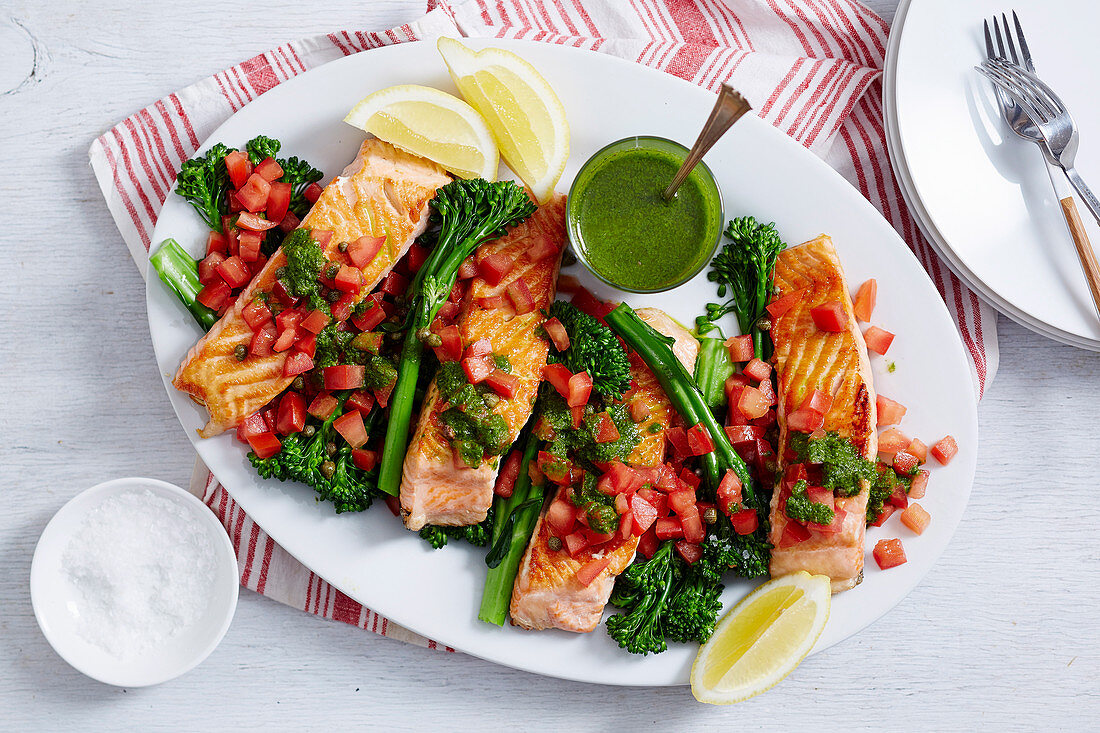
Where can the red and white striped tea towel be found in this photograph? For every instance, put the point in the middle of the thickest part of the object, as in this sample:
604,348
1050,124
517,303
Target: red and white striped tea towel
810,67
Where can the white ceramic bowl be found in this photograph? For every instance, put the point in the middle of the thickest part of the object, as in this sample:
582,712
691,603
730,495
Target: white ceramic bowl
57,602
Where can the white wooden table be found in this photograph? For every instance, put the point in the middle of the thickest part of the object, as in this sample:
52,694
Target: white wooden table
1005,632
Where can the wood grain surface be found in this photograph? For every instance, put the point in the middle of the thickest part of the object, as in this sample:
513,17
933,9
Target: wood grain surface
1003,634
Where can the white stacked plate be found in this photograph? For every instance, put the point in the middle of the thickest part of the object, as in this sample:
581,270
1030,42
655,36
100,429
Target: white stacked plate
980,194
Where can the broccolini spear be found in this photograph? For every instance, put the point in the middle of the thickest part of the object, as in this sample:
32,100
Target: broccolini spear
179,271
515,519
745,267
203,181
476,534
593,348
471,212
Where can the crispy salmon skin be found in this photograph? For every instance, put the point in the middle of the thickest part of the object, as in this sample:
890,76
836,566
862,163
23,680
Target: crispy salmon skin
434,490
547,593
384,192
807,358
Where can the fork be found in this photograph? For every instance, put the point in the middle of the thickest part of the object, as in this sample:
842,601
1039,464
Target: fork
1036,113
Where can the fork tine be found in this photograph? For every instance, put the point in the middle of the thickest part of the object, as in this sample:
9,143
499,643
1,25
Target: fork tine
1024,50
1015,75
1008,40
988,41
1037,87
1000,42
1012,90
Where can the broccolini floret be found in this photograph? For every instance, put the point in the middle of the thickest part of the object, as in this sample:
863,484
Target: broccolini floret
593,348
476,534
203,181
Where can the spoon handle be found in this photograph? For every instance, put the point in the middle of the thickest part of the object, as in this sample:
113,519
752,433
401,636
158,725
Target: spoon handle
729,107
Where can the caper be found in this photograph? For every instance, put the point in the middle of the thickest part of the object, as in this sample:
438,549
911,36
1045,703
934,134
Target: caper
309,431
343,246
568,258
280,272
332,271
770,465
422,334
299,383
554,543
241,352
710,515
491,399
332,296
764,324
328,468
330,449
434,340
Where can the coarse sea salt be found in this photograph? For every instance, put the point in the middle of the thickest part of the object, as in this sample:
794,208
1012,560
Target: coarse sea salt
144,571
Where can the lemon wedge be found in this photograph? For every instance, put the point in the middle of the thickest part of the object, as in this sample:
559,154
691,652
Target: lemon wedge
432,124
526,117
762,639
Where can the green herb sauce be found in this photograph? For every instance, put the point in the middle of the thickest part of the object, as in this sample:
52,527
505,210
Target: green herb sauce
801,508
842,468
475,430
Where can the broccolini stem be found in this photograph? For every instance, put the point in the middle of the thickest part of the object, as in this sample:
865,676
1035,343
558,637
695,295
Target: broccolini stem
179,271
497,595
682,392
712,368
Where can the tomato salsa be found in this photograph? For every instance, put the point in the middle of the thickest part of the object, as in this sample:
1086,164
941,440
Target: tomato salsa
624,231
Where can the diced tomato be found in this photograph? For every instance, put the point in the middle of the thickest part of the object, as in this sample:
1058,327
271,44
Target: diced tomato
919,485
740,348
887,511
757,369
915,518
451,350
395,284
689,550
289,318
830,317
509,472
373,314
833,527
596,538
256,314
588,303
889,553
689,479
626,522
323,406
905,462
677,437
591,570
364,460
208,268
341,309
307,344
945,450
793,534
263,341
739,434
481,347
605,430
699,441
297,363
780,306
558,375
821,495
645,514
494,267
468,268
878,339
350,426
561,515
234,271
360,400
290,222
892,440
254,222
889,411
253,194
315,321
504,384
752,403
278,202
694,530
270,169
292,414
349,279
312,193
265,445
494,303
579,388
865,300
239,167
648,543
682,502
817,401
251,426
477,368
639,410
557,333
344,376
448,311
541,248
668,528
919,449
745,521
416,258
898,497
362,251
233,203
520,294
576,542
619,479
286,339
216,242
767,390
248,246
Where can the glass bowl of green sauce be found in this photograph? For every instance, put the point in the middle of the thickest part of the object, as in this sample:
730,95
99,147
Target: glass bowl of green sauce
623,230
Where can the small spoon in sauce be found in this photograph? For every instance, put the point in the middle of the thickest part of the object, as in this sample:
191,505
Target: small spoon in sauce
729,108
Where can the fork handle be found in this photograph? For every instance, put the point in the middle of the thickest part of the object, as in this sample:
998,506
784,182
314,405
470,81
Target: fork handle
1081,240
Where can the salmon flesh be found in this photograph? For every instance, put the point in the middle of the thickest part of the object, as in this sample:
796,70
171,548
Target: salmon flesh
383,192
435,488
806,359
547,593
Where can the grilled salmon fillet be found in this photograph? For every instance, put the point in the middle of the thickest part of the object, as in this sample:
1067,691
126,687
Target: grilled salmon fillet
547,594
807,358
383,192
433,489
